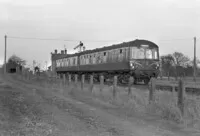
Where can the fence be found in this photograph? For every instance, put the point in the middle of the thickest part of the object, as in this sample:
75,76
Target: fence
64,79
67,80
181,84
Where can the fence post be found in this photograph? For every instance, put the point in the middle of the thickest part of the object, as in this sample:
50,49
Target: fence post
64,80
115,86
91,83
57,79
130,84
181,91
152,89
76,79
69,79
101,83
60,80
82,81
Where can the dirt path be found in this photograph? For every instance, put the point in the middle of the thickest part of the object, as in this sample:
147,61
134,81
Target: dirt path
29,109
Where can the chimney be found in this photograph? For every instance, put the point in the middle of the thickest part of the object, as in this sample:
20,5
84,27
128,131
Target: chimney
56,51
65,51
62,51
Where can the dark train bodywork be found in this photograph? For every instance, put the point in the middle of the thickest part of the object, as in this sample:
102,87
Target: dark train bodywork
138,58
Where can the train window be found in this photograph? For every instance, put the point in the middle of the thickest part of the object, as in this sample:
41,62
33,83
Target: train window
64,62
104,57
94,59
75,61
58,63
155,54
100,57
149,54
89,59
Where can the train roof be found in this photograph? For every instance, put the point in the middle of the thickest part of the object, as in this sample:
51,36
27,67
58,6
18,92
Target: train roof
114,46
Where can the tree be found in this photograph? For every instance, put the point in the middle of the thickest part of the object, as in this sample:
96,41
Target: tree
167,62
180,59
175,63
17,60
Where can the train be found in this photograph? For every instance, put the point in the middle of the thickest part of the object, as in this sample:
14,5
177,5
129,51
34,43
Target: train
138,58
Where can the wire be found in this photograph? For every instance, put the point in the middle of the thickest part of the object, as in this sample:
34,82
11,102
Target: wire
54,39
176,39
31,38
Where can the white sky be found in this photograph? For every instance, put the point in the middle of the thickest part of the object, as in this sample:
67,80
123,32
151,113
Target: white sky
161,21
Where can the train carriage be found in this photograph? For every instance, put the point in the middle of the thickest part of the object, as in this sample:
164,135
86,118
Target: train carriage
138,58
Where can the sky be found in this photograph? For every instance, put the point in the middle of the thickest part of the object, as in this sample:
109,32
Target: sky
172,24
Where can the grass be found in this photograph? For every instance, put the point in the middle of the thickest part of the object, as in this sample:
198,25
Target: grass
165,105
21,113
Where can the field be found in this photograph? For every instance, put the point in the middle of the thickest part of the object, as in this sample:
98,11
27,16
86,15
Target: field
120,114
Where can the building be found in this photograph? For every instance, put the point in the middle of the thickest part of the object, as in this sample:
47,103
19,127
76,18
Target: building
11,67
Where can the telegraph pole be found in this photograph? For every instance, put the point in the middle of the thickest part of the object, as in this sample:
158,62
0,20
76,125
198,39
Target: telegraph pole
194,59
5,54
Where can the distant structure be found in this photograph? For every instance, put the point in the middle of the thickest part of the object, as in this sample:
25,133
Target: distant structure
12,67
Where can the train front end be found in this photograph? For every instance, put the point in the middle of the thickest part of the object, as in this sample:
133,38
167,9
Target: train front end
144,61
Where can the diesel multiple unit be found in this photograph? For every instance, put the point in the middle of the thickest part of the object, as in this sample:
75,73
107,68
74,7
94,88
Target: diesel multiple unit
138,58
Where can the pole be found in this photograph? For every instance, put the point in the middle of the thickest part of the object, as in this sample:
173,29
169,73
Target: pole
194,59
5,54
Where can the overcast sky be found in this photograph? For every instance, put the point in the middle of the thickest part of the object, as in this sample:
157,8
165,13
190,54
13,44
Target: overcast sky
171,24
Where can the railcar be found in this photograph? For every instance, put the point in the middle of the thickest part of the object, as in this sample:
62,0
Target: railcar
138,58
